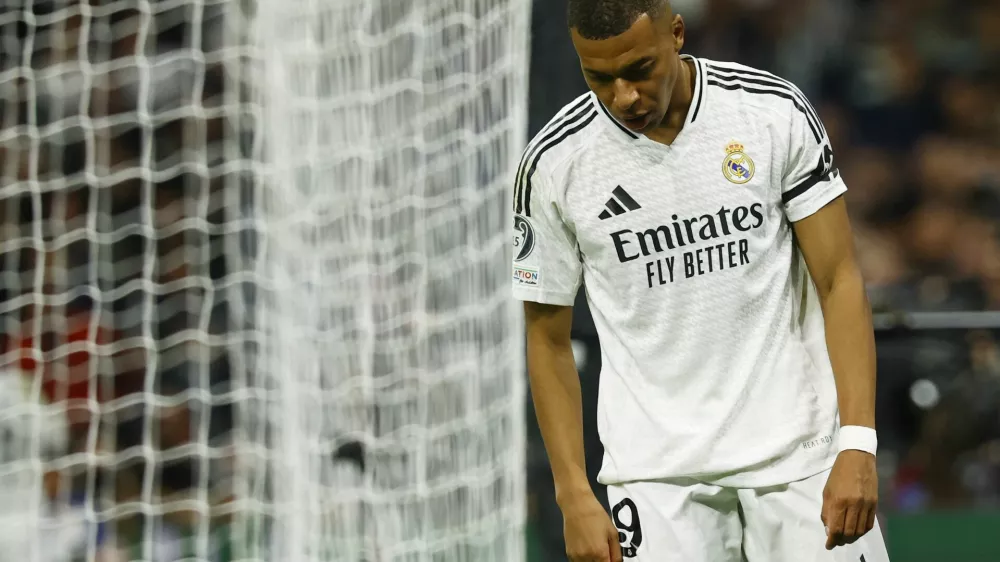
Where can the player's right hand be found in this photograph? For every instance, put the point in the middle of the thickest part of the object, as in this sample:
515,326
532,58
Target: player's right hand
590,535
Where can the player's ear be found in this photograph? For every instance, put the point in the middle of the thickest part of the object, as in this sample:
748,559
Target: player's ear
677,31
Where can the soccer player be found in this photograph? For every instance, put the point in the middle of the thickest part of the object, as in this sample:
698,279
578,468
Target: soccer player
699,203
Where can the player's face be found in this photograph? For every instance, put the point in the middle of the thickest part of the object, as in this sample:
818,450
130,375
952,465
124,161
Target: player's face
634,74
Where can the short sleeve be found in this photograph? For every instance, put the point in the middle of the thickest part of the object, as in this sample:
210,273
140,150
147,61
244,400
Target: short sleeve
547,267
810,180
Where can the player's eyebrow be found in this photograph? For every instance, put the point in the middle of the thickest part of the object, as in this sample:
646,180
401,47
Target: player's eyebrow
637,64
633,66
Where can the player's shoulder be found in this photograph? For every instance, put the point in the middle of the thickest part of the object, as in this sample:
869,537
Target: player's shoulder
746,88
577,131
573,128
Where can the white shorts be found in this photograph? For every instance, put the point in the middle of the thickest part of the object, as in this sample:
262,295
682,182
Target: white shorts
688,521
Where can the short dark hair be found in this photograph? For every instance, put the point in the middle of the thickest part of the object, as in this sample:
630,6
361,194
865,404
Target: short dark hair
600,19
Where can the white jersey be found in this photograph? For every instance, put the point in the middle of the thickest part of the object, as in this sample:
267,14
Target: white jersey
714,361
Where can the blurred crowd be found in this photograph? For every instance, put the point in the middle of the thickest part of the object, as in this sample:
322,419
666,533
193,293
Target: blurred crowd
909,91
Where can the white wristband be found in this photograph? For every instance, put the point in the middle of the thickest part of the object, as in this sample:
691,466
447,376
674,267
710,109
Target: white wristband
858,438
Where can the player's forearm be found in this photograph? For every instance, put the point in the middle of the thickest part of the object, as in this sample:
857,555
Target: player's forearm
850,340
555,391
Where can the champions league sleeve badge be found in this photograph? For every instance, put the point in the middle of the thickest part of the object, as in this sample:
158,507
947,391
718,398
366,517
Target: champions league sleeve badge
737,167
524,238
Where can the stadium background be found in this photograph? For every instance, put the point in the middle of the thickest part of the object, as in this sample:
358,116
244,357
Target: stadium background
909,91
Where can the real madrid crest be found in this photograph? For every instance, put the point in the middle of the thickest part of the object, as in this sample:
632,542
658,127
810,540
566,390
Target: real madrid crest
737,167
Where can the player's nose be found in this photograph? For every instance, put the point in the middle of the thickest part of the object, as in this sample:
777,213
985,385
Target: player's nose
625,95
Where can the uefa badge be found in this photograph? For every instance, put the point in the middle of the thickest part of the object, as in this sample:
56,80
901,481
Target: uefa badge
524,238
737,167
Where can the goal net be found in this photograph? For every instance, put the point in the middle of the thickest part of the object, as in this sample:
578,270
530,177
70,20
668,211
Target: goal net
255,280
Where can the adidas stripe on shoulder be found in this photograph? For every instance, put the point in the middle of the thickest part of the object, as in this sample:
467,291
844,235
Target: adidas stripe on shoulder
578,116
765,83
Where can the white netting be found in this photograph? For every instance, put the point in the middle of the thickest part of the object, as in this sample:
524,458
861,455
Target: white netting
255,280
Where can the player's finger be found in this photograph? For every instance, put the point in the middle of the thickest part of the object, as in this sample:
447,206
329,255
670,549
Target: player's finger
851,524
614,547
824,512
835,525
862,525
872,515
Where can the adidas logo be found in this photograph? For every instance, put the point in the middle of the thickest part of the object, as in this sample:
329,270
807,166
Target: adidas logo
614,205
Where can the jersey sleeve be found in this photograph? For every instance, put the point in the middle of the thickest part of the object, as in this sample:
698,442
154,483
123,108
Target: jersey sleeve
810,180
547,267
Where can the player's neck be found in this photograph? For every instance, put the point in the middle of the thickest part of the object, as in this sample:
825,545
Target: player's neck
680,103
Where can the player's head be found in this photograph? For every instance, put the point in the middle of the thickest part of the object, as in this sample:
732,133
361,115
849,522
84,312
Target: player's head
629,52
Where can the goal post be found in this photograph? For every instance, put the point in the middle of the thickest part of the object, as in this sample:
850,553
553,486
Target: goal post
256,268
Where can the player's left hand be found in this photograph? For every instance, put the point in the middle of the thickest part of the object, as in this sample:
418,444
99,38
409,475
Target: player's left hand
850,498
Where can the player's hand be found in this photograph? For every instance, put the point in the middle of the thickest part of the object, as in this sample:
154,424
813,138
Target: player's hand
850,498
590,535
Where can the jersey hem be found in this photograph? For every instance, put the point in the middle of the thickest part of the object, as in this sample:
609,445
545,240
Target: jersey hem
749,481
738,480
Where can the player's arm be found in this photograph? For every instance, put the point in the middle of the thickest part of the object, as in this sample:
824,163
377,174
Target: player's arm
547,270
811,194
851,495
555,391
827,245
